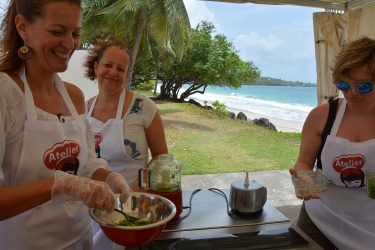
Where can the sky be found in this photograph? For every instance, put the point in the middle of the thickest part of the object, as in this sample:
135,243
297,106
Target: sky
278,39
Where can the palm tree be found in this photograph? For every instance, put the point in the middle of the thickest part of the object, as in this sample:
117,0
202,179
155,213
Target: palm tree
138,21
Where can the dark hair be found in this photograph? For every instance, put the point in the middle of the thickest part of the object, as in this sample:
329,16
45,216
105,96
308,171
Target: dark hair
353,174
11,40
357,53
96,53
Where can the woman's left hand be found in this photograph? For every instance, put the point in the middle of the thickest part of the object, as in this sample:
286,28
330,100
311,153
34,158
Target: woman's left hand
118,185
308,184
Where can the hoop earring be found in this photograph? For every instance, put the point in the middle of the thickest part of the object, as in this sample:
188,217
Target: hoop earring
24,52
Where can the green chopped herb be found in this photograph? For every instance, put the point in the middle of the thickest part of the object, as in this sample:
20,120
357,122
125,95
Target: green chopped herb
134,222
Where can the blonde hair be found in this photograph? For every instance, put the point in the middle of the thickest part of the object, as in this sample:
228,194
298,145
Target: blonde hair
357,53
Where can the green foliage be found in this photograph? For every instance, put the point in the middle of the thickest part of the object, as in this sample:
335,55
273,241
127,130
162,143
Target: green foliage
166,21
95,24
145,69
209,60
144,24
220,108
146,86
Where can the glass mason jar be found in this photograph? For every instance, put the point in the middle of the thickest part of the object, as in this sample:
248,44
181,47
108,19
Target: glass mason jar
165,174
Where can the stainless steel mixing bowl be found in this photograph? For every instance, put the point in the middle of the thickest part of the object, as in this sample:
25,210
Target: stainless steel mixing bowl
154,208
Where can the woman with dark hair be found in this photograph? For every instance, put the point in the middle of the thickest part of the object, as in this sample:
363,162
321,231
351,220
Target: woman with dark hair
343,143
49,173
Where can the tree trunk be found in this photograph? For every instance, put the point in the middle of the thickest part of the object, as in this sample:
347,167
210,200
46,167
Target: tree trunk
155,87
175,90
163,94
141,22
193,89
156,82
174,94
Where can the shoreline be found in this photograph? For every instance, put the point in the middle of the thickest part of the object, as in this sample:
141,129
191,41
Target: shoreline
75,74
280,124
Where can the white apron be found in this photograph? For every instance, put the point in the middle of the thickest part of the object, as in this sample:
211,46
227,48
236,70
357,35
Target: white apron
48,145
344,213
109,145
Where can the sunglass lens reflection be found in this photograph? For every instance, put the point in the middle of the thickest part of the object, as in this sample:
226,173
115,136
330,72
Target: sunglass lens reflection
344,86
364,87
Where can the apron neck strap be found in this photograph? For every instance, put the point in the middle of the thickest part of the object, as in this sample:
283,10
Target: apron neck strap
64,93
91,108
29,100
339,116
120,105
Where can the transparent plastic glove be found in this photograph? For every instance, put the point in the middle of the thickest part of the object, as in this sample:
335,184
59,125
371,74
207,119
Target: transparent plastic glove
118,185
94,194
308,184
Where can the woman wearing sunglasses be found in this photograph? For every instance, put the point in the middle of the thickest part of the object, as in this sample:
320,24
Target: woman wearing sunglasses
342,216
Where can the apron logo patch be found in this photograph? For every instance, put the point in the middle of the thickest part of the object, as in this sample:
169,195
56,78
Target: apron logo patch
350,169
63,156
346,161
98,139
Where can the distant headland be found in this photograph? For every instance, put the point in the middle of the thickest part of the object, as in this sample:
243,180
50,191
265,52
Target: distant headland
269,81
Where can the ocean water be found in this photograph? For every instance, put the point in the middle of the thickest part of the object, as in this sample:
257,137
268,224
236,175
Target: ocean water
281,102
290,104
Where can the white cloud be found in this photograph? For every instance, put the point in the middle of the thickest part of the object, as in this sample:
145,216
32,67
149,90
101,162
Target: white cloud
277,39
276,55
256,42
198,11
3,5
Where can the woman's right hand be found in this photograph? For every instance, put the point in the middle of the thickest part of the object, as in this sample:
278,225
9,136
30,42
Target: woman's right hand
95,194
308,184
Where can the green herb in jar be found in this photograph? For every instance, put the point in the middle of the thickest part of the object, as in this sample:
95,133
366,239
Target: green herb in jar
371,187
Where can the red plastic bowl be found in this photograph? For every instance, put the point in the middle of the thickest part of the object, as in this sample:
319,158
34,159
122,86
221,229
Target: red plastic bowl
132,238
153,207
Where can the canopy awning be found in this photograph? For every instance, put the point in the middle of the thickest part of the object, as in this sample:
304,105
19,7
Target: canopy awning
343,5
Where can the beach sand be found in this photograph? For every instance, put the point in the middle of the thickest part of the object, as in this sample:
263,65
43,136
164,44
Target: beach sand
281,125
75,75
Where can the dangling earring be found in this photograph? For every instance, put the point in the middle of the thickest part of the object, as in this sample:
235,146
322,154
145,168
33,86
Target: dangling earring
24,52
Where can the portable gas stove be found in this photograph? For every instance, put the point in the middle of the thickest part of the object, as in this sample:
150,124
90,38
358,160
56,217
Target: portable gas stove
282,238
209,227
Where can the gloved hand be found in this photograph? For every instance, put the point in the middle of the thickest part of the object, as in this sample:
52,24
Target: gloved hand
95,194
118,185
308,184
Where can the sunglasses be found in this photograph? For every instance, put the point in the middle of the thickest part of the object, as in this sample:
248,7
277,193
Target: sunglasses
362,87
